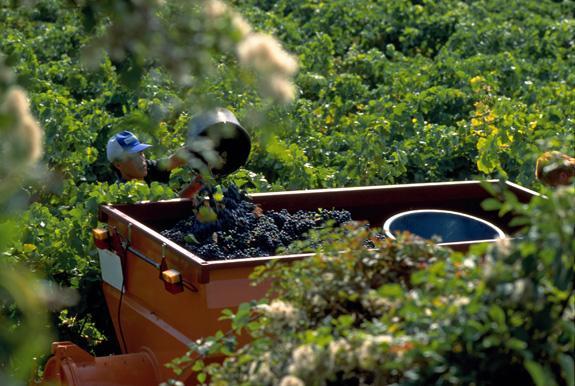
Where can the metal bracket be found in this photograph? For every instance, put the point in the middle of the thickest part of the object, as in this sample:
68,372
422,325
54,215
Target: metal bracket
130,232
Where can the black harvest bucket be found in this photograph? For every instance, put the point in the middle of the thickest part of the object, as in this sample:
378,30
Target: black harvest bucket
450,226
230,140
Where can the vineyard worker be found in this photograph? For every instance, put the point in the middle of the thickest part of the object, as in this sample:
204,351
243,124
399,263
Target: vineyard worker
126,154
554,168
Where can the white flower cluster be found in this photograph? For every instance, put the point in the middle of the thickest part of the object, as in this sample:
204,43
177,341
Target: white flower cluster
460,301
304,361
368,352
310,362
215,9
341,355
24,134
523,291
376,304
260,371
318,302
260,52
281,313
290,380
22,138
504,246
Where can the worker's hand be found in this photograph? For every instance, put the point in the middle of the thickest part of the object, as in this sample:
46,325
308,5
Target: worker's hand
179,158
202,162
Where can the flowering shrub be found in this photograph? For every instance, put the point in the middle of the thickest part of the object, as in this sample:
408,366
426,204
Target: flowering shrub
23,319
412,313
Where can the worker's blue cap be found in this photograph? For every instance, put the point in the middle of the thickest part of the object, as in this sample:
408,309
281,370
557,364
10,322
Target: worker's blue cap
122,144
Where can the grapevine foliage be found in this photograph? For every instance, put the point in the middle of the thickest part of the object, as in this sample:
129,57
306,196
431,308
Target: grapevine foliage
390,92
228,225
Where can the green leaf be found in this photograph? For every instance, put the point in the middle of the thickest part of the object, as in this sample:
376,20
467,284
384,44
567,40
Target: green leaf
219,195
418,277
190,238
491,204
497,314
226,314
516,344
488,160
344,321
157,190
491,341
206,215
540,376
242,317
198,365
519,221
390,290
7,234
567,369
245,358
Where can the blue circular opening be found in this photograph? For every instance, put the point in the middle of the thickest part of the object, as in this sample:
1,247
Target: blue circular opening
449,226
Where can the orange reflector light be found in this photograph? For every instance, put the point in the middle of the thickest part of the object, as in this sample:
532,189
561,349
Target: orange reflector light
171,276
100,234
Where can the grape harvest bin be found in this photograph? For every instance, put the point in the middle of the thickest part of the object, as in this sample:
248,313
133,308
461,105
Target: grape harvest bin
160,316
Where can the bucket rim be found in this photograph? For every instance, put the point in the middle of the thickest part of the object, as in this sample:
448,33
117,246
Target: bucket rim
389,221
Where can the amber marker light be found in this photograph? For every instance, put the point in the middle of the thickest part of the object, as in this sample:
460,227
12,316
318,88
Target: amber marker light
100,234
100,238
171,276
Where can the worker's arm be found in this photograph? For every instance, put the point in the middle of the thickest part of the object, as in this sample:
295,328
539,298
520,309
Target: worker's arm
193,188
176,160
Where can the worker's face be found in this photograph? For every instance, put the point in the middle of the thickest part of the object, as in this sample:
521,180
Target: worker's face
133,167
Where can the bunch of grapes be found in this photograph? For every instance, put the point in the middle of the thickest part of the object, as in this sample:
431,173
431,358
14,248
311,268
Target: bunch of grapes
228,225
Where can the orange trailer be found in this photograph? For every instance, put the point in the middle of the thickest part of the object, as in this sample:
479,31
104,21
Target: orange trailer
161,297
